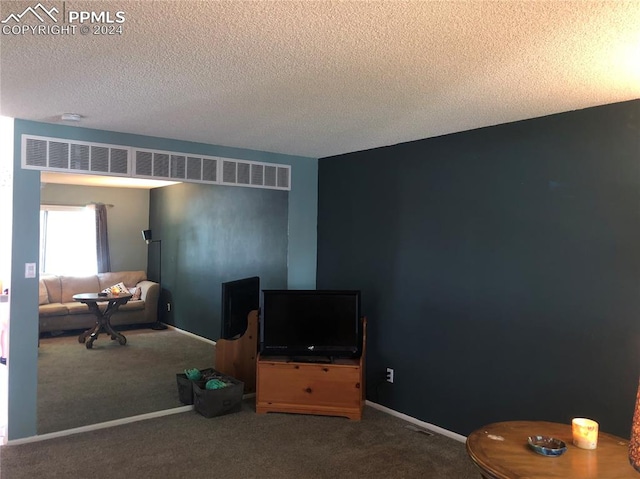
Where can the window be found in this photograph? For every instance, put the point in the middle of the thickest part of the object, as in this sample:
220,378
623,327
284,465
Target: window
68,241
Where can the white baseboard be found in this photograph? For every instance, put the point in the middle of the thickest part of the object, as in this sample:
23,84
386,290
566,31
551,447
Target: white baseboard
168,412
102,425
117,422
418,422
195,336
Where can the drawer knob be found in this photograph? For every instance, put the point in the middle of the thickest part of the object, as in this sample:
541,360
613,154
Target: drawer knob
308,390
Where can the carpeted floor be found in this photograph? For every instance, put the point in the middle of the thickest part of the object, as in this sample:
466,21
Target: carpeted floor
79,386
245,445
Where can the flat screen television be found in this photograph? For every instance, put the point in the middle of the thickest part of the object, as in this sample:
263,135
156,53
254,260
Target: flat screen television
311,323
239,298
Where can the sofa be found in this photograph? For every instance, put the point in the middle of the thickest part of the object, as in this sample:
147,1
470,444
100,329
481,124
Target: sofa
59,312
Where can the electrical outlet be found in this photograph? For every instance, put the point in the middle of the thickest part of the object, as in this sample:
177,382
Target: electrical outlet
389,375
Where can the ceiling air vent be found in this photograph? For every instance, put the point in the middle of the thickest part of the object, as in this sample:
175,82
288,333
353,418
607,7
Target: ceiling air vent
79,159
144,163
57,154
244,173
178,167
99,159
257,174
228,171
119,161
161,165
35,152
209,169
194,168
283,177
270,176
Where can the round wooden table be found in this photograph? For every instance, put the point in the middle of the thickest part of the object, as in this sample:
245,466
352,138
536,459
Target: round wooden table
500,451
103,323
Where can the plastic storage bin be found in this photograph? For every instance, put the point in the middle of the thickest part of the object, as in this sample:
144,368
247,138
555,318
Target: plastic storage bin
185,386
216,402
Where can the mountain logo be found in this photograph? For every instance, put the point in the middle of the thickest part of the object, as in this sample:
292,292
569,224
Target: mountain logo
33,10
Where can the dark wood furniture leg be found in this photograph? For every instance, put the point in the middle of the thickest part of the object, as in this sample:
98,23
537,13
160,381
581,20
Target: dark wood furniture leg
103,324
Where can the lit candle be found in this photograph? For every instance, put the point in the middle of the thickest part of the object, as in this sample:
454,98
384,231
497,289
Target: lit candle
585,433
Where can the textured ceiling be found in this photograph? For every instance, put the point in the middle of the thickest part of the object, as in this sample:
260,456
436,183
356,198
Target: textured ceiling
322,78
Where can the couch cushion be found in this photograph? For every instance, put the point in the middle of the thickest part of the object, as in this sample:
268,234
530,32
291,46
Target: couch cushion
52,309
132,306
54,290
129,278
78,284
77,308
43,295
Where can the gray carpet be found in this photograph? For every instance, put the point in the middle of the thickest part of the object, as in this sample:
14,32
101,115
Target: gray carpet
79,386
245,445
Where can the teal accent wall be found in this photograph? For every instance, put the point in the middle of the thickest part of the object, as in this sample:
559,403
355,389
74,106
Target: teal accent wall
210,235
23,329
499,268
303,221
301,255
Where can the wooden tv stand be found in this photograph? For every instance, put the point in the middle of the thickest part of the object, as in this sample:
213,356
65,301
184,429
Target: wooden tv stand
237,357
335,389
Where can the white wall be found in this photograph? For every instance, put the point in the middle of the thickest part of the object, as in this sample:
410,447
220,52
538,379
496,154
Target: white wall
126,219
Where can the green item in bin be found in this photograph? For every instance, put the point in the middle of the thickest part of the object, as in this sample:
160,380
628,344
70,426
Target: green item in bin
215,384
193,374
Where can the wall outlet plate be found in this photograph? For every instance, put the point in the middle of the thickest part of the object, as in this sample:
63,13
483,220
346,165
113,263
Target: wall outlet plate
389,375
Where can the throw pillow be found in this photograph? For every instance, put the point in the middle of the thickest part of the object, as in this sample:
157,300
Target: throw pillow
43,294
136,292
116,288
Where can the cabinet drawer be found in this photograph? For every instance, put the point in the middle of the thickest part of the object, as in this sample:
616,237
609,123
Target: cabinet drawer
309,384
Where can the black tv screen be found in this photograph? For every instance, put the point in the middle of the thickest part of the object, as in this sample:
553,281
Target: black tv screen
239,298
311,323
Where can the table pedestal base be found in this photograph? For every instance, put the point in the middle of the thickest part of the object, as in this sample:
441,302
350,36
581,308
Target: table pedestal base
103,325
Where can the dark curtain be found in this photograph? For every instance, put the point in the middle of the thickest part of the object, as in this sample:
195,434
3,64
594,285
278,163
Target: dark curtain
102,239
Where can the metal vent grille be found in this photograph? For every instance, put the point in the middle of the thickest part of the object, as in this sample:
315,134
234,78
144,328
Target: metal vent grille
194,168
229,171
244,173
36,152
79,159
55,154
209,170
283,177
177,166
119,161
270,176
58,154
99,159
257,174
161,165
144,162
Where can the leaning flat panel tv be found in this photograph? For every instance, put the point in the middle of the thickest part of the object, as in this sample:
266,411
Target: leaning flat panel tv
239,298
311,323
